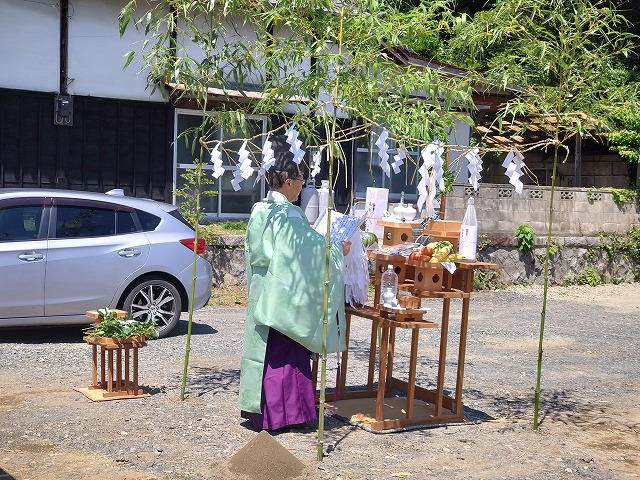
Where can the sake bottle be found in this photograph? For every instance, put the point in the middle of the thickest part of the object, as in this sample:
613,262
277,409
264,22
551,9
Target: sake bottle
468,242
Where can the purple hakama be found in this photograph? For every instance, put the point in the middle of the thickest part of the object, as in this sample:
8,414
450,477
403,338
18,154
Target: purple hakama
288,396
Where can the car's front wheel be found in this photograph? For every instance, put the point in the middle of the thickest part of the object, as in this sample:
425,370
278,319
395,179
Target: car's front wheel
157,300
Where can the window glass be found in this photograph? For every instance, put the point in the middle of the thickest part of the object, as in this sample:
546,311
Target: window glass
176,214
148,221
82,222
239,201
19,223
369,174
188,130
125,223
209,203
226,202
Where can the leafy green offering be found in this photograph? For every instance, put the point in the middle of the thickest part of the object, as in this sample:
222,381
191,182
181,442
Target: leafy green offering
110,326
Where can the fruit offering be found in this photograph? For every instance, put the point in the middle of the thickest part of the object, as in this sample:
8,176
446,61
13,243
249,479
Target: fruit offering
436,252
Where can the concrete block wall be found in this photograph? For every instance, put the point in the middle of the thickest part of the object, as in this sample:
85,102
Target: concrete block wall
500,210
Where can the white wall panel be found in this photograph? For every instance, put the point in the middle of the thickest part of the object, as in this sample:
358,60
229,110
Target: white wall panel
30,55
96,53
241,32
29,37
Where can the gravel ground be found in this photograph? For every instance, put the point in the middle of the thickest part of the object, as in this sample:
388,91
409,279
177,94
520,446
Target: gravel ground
589,409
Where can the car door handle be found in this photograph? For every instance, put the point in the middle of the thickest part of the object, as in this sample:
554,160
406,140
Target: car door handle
129,252
30,256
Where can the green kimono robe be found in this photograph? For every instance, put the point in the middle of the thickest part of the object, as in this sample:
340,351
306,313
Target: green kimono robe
285,260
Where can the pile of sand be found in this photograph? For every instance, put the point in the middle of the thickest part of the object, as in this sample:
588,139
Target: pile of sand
263,458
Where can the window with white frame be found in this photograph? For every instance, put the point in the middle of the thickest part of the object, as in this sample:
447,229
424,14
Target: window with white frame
227,202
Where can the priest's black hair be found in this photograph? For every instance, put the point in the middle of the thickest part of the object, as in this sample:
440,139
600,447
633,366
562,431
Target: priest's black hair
282,169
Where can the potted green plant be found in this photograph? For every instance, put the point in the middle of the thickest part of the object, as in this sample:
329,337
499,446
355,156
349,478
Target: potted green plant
110,328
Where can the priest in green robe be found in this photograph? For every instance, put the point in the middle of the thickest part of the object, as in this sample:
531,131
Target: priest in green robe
285,267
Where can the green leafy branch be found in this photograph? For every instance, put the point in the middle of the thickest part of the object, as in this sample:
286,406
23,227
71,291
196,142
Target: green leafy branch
109,325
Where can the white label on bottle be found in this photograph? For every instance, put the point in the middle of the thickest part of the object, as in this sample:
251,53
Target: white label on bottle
468,242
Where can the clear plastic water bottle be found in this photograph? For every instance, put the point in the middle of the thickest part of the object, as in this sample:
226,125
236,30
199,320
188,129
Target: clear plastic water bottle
389,287
468,242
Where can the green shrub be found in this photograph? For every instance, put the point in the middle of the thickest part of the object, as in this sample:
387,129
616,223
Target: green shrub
621,196
590,276
487,280
526,238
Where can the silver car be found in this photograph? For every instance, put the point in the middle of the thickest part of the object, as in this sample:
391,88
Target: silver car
65,252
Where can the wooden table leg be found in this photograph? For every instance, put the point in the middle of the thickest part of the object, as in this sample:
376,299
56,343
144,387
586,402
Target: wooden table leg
119,369
94,365
442,358
103,368
390,351
135,371
314,372
413,360
382,374
372,355
464,324
127,380
342,385
110,371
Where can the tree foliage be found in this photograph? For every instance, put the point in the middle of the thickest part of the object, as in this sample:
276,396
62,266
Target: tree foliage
564,56
337,57
625,137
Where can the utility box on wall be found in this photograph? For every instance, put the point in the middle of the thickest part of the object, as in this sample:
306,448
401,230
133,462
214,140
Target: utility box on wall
63,110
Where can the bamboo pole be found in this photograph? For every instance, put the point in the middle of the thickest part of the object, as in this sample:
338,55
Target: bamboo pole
193,281
543,313
325,320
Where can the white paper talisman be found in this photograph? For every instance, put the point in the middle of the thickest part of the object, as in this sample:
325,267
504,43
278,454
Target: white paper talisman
377,201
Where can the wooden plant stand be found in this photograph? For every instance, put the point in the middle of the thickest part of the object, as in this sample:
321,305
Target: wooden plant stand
118,366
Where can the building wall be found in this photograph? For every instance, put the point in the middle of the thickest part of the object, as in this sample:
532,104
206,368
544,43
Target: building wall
111,144
599,169
30,43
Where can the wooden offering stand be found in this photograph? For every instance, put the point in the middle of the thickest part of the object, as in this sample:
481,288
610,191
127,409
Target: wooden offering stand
378,406
396,232
444,230
118,379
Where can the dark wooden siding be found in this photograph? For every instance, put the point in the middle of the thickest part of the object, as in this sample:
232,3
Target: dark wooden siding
112,144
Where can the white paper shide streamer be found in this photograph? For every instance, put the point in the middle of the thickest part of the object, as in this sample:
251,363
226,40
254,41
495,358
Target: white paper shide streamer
356,264
381,143
427,163
243,169
431,176
356,272
268,156
216,160
398,160
437,150
316,158
295,144
514,163
475,166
